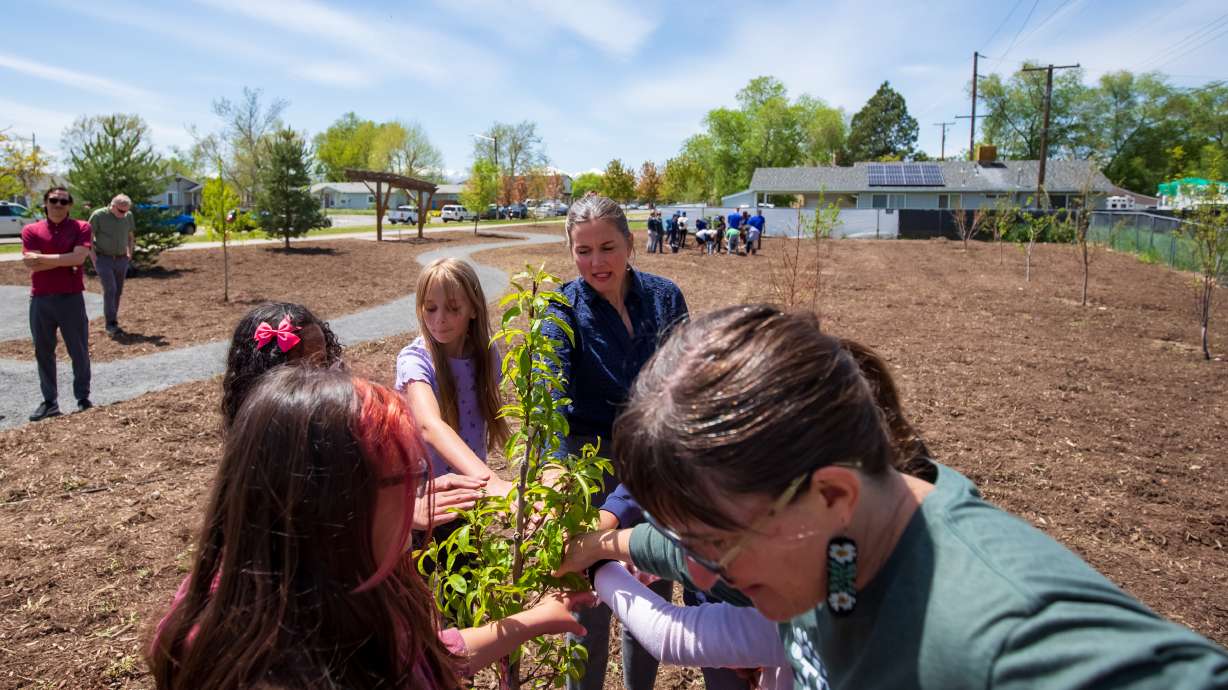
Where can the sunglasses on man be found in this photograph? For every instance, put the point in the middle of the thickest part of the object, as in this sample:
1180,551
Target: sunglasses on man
59,201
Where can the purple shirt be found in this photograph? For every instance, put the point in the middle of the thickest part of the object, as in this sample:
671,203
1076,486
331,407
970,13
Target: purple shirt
46,237
414,363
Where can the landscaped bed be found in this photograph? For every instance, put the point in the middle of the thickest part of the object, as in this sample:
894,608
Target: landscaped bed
1100,425
179,302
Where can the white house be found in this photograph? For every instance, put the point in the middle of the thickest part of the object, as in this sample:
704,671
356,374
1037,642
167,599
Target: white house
181,193
354,195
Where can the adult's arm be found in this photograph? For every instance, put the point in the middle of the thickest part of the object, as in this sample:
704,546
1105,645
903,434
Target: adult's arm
36,261
715,635
1090,644
622,506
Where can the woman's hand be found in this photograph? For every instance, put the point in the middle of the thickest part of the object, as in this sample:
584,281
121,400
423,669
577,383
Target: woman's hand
553,615
445,493
497,486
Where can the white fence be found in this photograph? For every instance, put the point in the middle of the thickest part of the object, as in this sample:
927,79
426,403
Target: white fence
782,222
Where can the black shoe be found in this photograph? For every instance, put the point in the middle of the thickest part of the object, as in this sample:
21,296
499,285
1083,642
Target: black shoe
114,331
84,404
45,410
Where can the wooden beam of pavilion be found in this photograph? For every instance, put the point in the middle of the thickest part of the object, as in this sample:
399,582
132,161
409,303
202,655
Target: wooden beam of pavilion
393,181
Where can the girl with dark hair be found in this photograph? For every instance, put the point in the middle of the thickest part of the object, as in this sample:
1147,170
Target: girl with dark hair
283,333
269,335
299,578
768,470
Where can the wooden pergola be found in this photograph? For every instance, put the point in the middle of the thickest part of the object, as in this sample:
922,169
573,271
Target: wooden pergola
385,182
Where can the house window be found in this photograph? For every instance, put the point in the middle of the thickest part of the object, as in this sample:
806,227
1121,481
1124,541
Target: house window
1057,201
879,201
370,199
170,198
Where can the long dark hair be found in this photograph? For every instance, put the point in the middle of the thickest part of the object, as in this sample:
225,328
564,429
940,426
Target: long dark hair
285,588
744,400
245,363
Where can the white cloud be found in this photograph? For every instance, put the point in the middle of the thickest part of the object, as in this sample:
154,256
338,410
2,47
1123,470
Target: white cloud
611,26
74,79
430,56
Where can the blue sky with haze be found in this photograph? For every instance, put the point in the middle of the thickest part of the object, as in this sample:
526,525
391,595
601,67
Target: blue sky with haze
601,78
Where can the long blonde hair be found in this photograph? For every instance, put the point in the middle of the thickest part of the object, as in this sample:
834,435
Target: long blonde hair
456,276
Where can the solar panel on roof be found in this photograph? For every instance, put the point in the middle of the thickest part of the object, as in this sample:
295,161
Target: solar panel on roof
905,175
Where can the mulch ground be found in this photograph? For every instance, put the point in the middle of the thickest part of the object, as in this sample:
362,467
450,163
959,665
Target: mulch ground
1100,424
179,302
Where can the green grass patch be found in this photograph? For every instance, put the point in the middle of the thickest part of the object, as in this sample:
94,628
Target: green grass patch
10,248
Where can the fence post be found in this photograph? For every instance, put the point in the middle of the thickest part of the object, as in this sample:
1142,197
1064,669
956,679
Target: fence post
1137,237
1172,250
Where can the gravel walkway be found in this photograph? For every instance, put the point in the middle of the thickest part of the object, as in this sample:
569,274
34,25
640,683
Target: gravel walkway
15,311
126,379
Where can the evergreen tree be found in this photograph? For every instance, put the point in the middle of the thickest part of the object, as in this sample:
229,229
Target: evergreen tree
284,205
112,154
618,183
882,129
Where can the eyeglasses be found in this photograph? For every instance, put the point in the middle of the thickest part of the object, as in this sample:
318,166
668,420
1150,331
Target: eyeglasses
422,479
718,566
59,201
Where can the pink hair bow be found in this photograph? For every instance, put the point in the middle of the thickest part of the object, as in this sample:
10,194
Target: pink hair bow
284,334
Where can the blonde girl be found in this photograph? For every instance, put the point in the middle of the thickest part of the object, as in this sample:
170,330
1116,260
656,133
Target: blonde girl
450,374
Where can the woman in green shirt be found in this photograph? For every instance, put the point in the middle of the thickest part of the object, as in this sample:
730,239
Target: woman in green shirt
773,476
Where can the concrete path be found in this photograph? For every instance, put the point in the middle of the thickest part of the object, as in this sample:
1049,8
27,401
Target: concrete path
15,311
390,232
126,379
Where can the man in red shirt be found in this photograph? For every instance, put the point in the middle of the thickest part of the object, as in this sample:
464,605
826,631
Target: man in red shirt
54,249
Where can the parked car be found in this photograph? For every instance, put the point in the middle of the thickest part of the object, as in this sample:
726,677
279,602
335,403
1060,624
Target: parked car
185,223
550,208
14,217
403,214
456,212
494,212
517,211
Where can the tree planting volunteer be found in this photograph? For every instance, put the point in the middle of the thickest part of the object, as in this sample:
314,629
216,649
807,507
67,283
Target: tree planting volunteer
763,461
618,315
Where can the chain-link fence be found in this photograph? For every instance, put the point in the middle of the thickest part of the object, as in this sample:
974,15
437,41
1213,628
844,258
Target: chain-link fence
1153,237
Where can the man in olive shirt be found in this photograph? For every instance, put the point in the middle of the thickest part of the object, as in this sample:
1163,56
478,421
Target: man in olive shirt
114,237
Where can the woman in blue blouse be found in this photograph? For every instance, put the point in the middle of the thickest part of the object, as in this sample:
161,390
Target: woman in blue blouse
618,316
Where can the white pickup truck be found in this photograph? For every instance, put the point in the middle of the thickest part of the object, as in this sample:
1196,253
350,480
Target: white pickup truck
403,214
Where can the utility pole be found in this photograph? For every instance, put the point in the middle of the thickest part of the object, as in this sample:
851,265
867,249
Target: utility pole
1044,132
972,118
943,156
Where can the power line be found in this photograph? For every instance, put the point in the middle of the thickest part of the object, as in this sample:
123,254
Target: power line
1002,24
1036,29
1021,28
1208,40
1193,36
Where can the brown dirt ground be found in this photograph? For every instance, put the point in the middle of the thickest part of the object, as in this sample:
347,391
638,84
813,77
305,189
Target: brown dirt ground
179,302
1099,424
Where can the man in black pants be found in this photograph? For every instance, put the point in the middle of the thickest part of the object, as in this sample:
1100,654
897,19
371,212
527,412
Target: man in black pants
54,249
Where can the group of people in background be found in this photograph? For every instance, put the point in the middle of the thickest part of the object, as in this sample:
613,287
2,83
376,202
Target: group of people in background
55,249
738,233
780,481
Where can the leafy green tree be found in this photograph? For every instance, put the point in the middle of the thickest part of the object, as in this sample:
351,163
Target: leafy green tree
1015,111
347,143
882,129
618,183
405,149
688,176
284,205
113,154
648,186
500,573
1127,121
217,201
515,148
481,189
21,167
585,183
824,132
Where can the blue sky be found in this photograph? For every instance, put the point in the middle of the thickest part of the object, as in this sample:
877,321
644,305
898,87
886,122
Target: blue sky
602,78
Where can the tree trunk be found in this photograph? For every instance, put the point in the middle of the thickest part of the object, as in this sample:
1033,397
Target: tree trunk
1208,289
1027,263
286,236
225,268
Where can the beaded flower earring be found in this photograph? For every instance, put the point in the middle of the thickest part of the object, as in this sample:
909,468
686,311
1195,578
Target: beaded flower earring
841,576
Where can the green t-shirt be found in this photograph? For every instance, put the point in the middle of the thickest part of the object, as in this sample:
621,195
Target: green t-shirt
111,233
732,233
973,597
